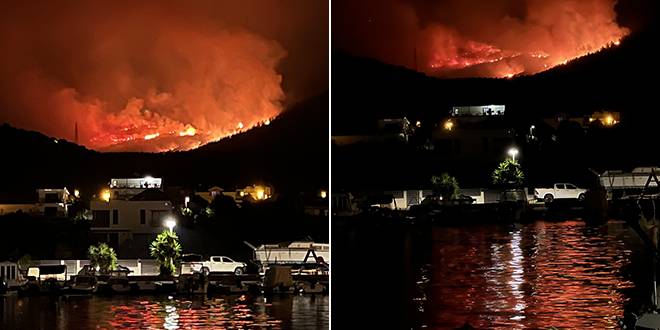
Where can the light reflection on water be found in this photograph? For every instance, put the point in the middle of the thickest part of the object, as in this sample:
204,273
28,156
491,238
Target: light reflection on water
539,275
163,312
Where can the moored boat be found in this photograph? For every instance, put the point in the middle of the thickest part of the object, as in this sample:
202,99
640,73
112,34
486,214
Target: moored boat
84,284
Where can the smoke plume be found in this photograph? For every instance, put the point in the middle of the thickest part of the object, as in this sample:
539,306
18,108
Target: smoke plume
147,75
474,38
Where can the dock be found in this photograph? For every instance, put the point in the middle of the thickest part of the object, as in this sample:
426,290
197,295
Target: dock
214,283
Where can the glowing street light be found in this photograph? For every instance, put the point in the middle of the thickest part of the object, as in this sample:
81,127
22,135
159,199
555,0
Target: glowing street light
170,223
260,194
187,200
324,194
449,125
105,195
513,152
609,120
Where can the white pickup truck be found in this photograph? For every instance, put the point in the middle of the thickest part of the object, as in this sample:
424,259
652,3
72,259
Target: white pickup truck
191,263
560,191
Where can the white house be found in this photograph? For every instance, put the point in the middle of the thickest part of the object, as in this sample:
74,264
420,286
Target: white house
135,218
468,136
53,202
129,187
50,202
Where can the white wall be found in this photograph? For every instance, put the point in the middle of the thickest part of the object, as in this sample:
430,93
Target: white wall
129,214
138,266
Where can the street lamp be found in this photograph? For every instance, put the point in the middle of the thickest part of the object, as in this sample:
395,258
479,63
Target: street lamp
105,195
186,200
513,152
170,223
449,125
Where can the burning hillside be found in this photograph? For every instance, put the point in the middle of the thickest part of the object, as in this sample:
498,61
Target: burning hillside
500,38
147,76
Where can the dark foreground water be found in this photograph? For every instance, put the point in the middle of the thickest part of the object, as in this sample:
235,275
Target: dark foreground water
528,276
163,312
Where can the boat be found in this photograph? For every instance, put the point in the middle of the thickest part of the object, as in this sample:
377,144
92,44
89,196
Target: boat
45,279
118,280
297,252
115,281
84,284
292,253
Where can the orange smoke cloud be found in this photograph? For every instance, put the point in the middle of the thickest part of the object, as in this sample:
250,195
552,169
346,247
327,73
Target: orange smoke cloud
144,79
471,38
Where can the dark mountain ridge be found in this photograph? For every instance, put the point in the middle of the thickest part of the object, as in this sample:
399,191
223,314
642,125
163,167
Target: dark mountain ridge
291,153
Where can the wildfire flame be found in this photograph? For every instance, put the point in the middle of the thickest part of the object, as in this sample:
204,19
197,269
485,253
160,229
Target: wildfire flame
190,131
448,59
158,80
474,38
151,136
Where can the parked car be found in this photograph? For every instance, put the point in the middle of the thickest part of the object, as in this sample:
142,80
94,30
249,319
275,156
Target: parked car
560,191
191,263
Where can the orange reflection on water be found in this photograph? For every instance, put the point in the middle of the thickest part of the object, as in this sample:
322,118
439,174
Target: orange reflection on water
170,314
164,312
540,275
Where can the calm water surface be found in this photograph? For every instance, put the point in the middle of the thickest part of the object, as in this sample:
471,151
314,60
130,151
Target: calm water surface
564,274
165,312
528,276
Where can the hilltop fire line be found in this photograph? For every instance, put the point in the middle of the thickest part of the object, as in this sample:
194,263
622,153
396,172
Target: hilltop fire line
156,76
476,38
187,138
503,64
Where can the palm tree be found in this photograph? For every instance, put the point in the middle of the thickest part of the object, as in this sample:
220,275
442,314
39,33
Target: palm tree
508,174
167,251
446,186
103,257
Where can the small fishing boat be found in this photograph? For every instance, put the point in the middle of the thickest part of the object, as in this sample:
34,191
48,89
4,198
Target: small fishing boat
116,281
84,284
